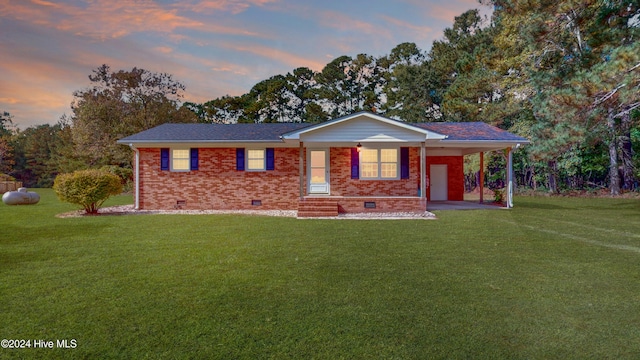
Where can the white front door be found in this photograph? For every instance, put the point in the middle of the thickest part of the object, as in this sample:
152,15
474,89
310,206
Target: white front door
438,183
318,171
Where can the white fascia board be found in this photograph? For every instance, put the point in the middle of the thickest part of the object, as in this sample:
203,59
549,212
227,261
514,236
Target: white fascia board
474,147
204,144
481,143
431,135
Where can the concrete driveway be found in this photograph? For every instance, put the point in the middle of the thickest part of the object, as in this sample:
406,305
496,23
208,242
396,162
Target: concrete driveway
460,205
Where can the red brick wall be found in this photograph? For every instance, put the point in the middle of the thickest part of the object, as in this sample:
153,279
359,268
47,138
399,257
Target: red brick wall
343,185
218,185
455,174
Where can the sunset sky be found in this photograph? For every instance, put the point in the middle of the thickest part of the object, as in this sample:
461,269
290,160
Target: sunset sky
214,47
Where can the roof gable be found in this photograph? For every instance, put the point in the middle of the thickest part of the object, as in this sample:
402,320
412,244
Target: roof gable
363,127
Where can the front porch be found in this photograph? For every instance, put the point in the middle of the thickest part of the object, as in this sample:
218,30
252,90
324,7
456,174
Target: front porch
367,163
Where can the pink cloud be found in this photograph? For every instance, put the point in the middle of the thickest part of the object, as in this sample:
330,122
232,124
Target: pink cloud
291,60
164,49
340,21
107,19
420,31
120,18
233,6
9,100
446,11
31,103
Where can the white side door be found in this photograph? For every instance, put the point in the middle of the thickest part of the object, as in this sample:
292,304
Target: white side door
438,183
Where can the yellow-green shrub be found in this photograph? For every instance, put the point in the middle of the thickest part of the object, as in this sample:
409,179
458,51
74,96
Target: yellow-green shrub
88,188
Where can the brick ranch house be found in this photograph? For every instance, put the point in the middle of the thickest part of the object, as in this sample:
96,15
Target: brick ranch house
358,163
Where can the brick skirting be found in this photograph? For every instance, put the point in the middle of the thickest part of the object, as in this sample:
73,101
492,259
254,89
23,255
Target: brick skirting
365,204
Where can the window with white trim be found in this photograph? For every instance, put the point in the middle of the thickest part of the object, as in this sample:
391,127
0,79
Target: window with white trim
379,164
180,160
388,163
256,159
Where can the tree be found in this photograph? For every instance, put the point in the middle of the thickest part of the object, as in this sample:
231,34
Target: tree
302,86
35,149
412,95
468,82
224,110
364,83
563,51
332,93
87,188
616,87
410,85
271,101
6,150
118,104
602,77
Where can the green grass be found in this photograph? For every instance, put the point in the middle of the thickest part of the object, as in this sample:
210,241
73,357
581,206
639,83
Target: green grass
551,278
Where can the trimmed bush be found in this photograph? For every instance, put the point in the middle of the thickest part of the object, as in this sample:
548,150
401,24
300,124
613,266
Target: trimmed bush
125,175
87,188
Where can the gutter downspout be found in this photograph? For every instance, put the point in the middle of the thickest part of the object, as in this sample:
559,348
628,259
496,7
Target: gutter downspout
136,204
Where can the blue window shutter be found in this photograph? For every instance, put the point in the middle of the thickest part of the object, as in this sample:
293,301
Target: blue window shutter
240,159
269,154
164,159
194,159
404,163
355,163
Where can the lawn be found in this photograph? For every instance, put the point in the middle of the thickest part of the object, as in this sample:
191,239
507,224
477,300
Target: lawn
551,278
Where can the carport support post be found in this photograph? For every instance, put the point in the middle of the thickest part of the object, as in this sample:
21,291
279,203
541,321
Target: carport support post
509,178
481,177
301,162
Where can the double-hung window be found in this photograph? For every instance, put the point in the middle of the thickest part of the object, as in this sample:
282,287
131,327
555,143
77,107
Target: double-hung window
180,160
379,164
255,159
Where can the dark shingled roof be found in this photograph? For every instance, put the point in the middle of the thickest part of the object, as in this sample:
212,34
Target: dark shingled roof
470,131
271,132
215,132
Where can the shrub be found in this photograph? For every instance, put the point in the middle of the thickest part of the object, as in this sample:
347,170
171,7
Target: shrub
125,175
88,188
498,195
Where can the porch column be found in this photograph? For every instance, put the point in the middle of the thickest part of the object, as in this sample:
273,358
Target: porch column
423,171
481,177
301,162
509,178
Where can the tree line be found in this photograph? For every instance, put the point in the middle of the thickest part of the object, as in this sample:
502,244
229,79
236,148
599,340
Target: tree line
115,105
564,74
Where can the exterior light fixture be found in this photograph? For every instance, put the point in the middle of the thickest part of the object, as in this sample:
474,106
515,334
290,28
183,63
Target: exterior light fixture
359,147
